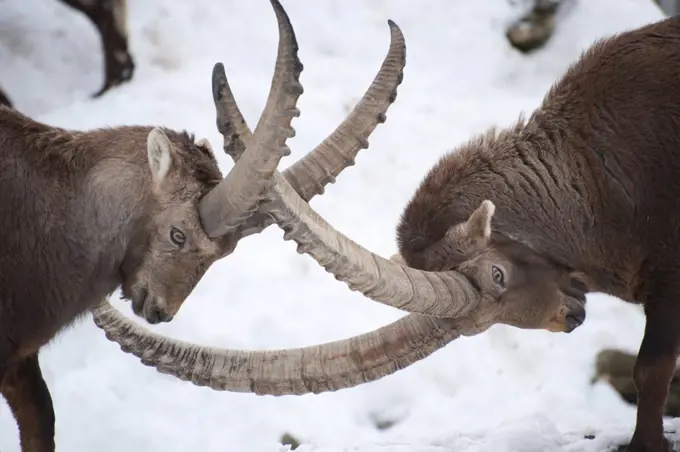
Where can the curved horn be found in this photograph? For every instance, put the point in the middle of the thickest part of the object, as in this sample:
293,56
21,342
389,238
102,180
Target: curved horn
329,366
235,198
319,368
310,174
442,294
230,122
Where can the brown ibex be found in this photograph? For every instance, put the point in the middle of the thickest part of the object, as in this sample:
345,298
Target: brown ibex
145,209
109,17
514,227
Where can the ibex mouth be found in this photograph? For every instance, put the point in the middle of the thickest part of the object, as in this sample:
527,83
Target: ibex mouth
575,317
572,322
155,313
149,308
138,300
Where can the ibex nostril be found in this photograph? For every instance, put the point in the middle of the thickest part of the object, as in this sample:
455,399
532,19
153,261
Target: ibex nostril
572,323
162,315
152,315
155,312
574,319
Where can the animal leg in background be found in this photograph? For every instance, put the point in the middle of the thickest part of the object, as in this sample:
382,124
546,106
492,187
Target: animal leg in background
109,16
534,29
654,369
26,392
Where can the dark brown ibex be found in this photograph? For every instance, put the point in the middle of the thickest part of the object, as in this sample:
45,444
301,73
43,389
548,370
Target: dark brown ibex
109,17
514,227
590,182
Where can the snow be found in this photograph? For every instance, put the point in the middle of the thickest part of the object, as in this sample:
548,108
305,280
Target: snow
505,390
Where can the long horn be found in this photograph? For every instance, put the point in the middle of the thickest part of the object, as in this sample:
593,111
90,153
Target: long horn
315,369
309,175
443,294
238,195
330,366
321,166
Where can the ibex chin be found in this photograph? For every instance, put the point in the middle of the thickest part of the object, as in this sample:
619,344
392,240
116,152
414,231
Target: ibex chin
514,227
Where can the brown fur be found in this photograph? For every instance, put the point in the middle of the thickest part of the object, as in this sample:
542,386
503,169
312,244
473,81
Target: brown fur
109,17
81,215
591,181
518,286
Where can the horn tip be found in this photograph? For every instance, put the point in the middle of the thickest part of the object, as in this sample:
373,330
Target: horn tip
394,28
218,67
219,78
489,206
283,17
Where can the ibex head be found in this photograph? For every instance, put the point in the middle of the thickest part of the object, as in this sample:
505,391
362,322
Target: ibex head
170,251
518,286
198,221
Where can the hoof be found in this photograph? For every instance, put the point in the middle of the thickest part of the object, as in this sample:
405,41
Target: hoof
119,74
532,31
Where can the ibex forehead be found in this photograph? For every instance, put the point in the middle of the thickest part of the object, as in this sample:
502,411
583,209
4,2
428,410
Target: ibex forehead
522,248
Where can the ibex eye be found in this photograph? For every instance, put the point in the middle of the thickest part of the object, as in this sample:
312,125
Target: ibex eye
177,236
497,275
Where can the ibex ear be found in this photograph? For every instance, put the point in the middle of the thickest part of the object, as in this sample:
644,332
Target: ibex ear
479,224
473,234
205,143
159,152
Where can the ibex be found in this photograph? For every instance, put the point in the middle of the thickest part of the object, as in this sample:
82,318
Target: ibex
514,227
145,209
109,17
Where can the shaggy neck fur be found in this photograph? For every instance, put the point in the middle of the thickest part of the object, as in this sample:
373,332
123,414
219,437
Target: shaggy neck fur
515,168
84,194
591,180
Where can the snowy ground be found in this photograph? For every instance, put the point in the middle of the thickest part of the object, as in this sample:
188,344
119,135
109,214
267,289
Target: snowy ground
506,390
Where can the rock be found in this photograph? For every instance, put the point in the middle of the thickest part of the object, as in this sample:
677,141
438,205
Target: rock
616,368
290,440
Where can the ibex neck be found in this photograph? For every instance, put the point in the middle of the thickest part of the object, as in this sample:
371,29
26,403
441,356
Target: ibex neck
545,198
70,203
114,201
556,204
105,178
